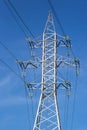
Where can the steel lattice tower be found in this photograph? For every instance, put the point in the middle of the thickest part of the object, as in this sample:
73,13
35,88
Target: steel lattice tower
47,116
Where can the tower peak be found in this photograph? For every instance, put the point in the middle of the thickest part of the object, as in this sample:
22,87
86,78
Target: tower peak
49,27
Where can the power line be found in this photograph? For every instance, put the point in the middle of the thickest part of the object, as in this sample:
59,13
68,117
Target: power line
11,69
15,18
57,18
19,16
13,56
13,10
9,51
67,98
6,48
27,102
21,80
22,21
67,113
25,36
74,103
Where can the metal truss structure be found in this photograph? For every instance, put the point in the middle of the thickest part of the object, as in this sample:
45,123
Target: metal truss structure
47,116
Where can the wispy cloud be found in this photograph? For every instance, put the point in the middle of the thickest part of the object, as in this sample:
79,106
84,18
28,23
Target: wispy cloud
7,120
83,68
4,81
12,101
8,83
5,85
83,127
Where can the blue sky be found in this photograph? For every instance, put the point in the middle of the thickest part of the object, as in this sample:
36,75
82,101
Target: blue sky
73,16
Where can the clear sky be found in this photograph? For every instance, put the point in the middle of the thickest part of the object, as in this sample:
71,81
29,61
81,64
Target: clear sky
73,16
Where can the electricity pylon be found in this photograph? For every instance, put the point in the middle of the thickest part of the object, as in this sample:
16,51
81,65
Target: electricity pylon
47,116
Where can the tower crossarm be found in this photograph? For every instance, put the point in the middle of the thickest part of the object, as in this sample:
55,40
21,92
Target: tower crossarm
66,84
69,62
29,64
33,43
33,85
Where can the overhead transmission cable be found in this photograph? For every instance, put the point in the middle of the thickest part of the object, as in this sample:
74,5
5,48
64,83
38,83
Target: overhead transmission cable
10,68
74,104
6,48
12,7
2,61
9,51
15,18
19,20
57,18
27,102
19,16
24,85
67,94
